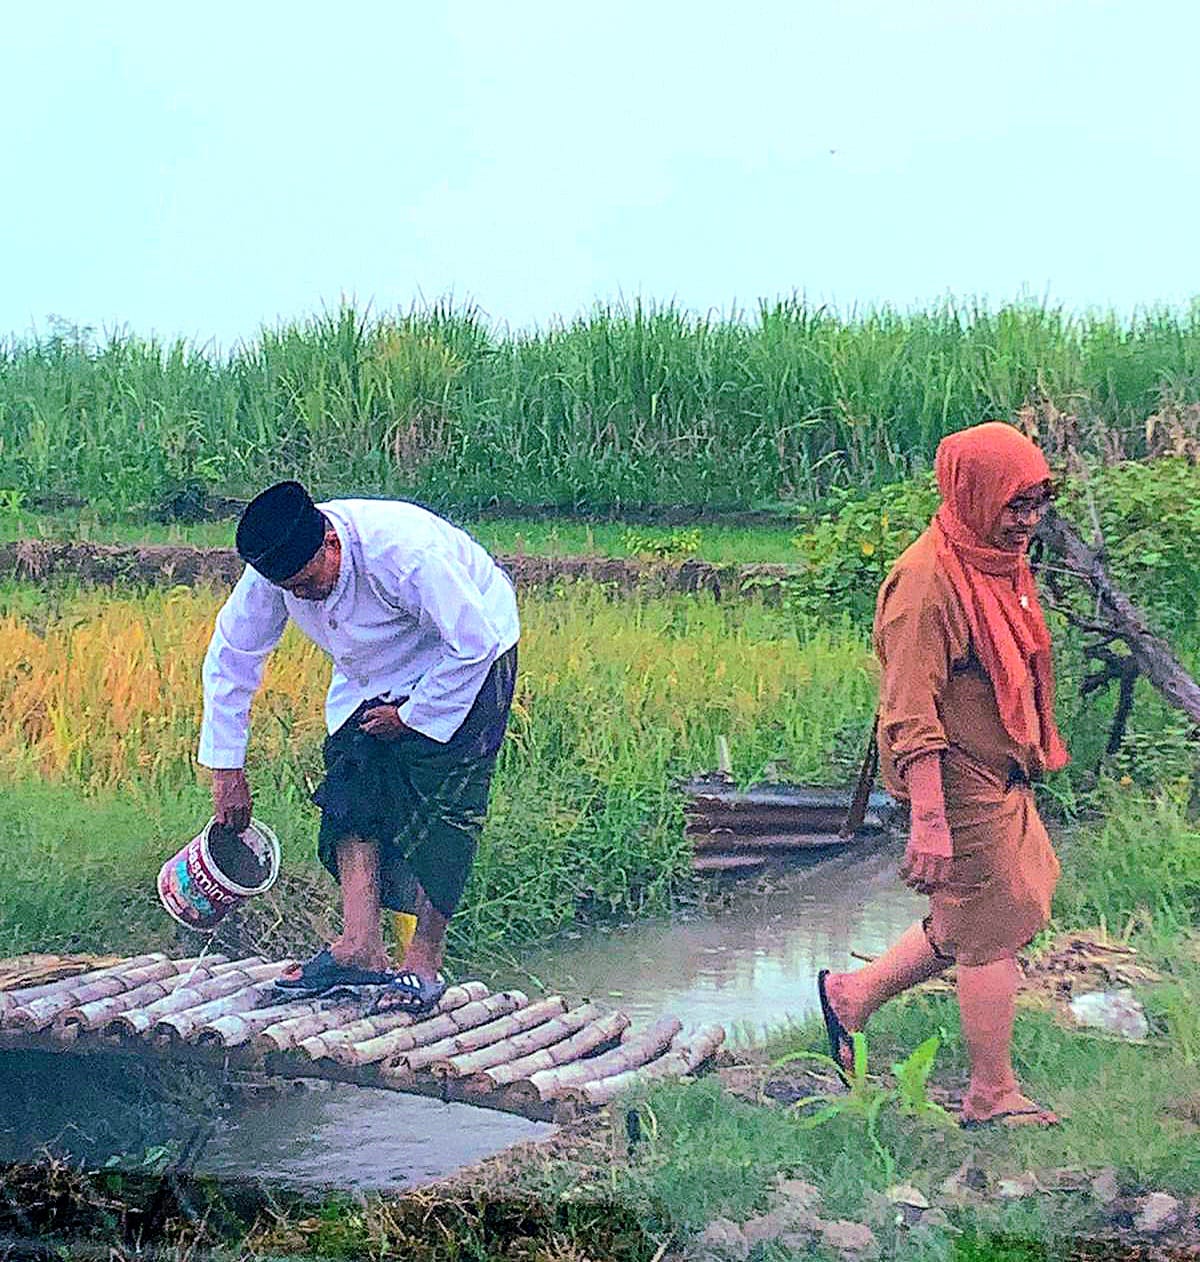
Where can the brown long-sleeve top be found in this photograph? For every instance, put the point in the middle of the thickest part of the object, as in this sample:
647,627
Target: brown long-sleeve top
935,696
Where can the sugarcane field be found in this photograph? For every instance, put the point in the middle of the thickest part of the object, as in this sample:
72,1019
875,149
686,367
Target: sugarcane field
600,634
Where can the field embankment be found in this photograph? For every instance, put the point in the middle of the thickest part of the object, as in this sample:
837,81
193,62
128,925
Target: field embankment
180,564
630,407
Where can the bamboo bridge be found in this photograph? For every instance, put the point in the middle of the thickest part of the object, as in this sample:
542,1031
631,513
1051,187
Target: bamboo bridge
543,1059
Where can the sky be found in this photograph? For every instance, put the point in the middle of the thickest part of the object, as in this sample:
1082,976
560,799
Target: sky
200,170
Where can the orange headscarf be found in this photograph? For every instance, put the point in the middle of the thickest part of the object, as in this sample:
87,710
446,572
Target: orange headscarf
979,470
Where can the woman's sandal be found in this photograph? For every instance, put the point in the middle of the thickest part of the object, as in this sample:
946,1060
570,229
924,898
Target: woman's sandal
323,973
839,1036
410,992
1001,1119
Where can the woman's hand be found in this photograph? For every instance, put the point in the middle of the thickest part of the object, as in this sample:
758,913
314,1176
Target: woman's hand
930,851
929,854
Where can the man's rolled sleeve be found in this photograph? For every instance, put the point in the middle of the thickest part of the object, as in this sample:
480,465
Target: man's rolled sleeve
441,592
248,627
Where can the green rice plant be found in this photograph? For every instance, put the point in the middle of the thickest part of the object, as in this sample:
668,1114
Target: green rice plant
618,700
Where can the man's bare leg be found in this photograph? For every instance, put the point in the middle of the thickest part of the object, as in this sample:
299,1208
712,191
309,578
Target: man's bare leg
855,996
987,996
361,941
428,946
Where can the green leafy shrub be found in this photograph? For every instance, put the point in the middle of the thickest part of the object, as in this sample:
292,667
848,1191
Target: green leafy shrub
848,548
1149,514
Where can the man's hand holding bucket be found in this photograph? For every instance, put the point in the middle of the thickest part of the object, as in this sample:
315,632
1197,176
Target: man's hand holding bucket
232,802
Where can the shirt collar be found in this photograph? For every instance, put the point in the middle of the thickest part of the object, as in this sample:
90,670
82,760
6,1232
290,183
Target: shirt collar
346,565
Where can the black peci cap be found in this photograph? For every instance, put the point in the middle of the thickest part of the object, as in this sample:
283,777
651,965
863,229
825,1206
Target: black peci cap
280,531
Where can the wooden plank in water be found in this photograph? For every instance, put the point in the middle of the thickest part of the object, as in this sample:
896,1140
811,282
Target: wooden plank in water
727,862
732,843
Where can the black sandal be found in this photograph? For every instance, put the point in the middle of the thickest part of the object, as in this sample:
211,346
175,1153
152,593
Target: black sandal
323,973
1000,1119
839,1036
410,992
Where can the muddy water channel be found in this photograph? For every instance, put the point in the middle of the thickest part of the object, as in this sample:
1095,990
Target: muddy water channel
749,965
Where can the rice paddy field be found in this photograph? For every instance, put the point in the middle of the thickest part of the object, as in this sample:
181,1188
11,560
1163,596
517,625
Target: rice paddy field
619,698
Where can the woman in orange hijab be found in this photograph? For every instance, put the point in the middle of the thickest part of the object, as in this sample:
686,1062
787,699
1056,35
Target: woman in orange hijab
966,723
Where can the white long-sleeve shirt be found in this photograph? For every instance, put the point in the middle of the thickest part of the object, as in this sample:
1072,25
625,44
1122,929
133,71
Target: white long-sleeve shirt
419,610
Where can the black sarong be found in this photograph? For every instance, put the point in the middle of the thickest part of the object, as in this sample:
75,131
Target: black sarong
423,802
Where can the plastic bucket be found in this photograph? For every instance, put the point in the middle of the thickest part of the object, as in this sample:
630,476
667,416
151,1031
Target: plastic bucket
217,871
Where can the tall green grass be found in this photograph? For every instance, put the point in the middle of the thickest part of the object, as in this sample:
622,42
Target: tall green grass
629,406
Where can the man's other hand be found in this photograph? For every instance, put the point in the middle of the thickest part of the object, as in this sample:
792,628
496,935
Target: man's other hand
383,721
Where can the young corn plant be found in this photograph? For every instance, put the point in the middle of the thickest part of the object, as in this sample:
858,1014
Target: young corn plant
866,1097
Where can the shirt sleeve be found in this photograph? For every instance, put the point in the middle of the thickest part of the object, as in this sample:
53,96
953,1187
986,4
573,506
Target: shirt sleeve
248,627
440,593
916,645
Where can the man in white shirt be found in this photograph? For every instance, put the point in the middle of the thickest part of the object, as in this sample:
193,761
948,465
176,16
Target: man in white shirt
421,626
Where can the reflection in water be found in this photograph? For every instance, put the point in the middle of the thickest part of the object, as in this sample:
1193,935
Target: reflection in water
361,1139
751,968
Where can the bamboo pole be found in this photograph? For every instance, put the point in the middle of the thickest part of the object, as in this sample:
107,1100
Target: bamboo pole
636,1051
727,862
369,1051
11,999
237,1028
98,1013
178,1027
37,1014
682,1059
727,843
424,1033
477,1037
283,1035
596,1034
233,977
39,968
539,1023
535,1039
327,1045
